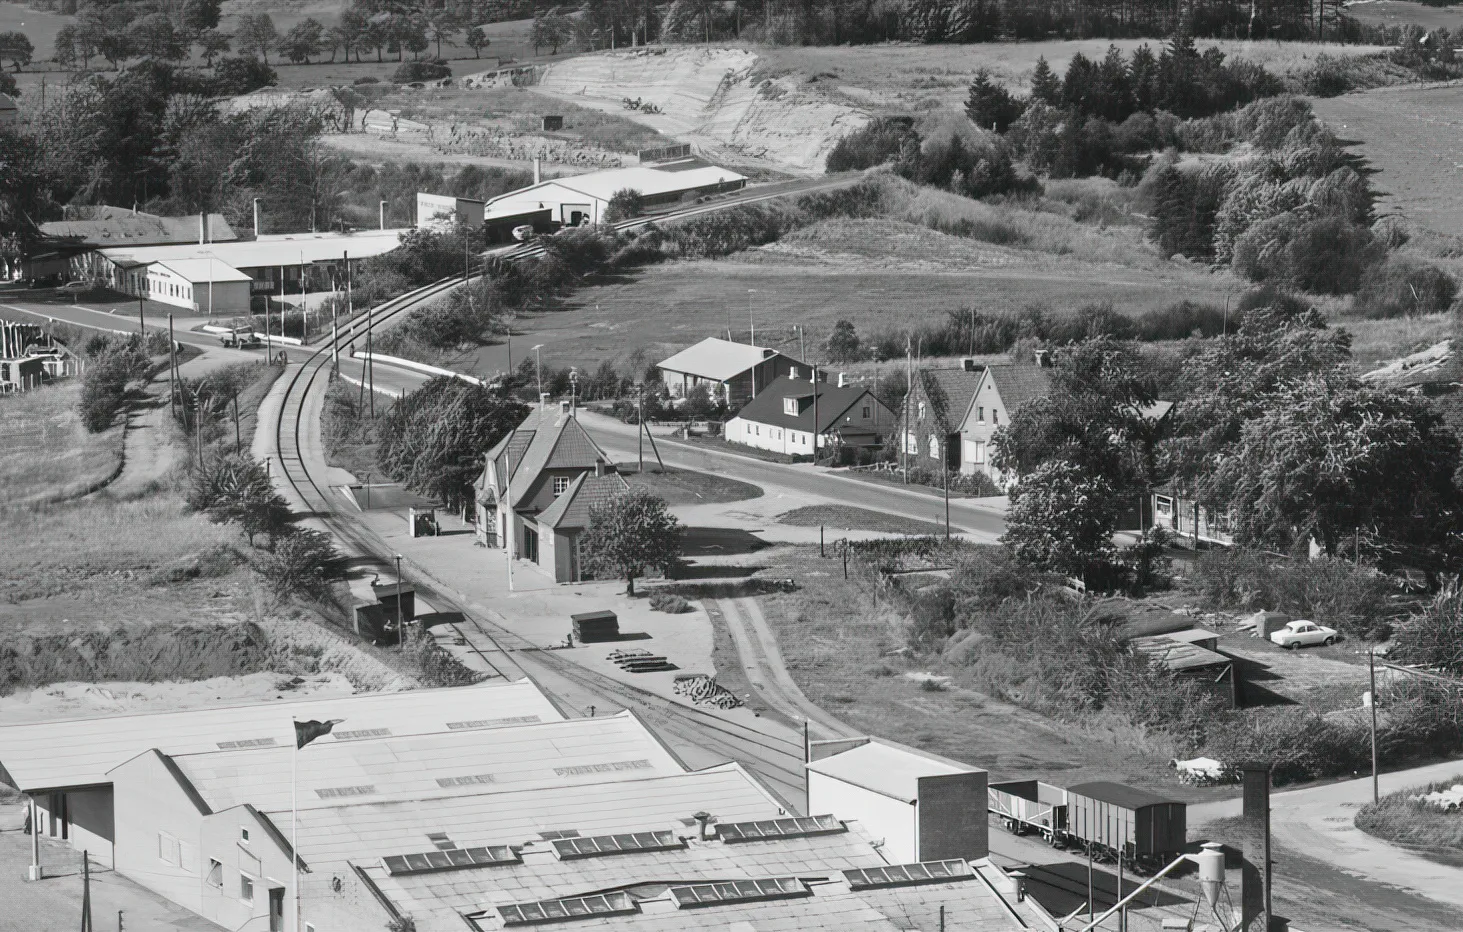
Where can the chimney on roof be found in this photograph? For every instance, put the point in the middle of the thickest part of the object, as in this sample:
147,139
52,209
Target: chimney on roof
600,467
543,399
968,364
563,407
1255,839
702,818
843,380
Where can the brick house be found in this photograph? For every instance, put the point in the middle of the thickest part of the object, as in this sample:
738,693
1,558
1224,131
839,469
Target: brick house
934,413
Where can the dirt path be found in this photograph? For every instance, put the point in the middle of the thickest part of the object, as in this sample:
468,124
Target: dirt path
767,672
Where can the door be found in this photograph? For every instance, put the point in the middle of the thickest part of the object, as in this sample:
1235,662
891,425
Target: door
530,543
276,909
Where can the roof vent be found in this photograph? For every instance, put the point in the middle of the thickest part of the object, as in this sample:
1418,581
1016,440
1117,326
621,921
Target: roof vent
702,818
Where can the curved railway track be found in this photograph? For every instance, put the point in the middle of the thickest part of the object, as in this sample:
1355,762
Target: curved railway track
778,760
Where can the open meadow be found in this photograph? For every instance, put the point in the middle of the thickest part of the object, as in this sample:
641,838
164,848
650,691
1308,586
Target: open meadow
47,454
1414,137
1404,12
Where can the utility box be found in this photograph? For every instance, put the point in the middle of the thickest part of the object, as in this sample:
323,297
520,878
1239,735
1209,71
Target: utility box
596,626
388,594
552,123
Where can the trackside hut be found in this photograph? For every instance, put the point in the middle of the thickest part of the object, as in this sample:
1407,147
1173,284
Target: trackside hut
780,418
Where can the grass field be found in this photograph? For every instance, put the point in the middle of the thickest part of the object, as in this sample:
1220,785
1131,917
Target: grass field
1431,832
1414,137
878,274
685,487
848,518
1402,12
900,76
47,454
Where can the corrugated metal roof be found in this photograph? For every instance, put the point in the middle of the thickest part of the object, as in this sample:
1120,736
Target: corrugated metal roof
79,752
334,770
887,769
717,359
270,252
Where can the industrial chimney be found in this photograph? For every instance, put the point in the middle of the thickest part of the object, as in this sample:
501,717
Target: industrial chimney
1255,828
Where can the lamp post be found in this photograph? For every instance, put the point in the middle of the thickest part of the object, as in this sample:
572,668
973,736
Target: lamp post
538,377
751,324
573,390
398,596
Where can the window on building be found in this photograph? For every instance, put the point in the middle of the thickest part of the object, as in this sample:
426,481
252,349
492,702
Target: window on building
167,848
934,447
911,443
790,406
1163,504
561,485
980,414
243,835
866,411
995,416
246,888
921,411
215,876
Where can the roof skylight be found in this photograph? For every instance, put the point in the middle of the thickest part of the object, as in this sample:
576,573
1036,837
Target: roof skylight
575,907
598,845
738,891
493,722
449,860
246,743
907,875
798,827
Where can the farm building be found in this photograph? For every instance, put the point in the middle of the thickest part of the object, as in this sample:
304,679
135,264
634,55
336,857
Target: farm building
781,417
581,199
732,372
925,807
1194,653
281,265
481,808
555,473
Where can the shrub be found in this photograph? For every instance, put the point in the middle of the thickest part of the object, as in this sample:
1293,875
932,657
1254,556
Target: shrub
668,602
1433,637
235,76
430,69
1183,320
879,142
624,204
1329,255
303,563
1267,123
1327,77
104,383
1403,287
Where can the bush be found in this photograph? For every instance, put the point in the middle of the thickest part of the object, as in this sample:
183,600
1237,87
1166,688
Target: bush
1403,287
990,106
624,204
1183,320
114,363
235,76
303,563
1352,599
430,69
879,142
669,602
1327,77
1325,256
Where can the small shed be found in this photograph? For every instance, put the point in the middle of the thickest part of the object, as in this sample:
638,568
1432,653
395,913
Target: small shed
377,624
603,625
1199,637
387,595
552,123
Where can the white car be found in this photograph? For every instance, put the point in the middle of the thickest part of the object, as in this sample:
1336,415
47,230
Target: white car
1302,633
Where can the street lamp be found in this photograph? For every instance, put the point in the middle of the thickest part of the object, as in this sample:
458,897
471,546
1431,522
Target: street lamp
398,595
538,377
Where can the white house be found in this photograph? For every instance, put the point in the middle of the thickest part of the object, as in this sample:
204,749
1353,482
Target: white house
780,418
735,372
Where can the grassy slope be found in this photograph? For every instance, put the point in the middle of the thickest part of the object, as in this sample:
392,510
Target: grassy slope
47,454
846,517
1432,832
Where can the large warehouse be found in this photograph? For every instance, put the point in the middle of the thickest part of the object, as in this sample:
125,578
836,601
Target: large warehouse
584,198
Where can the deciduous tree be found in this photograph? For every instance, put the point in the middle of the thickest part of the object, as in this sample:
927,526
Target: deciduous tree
630,535
1061,520
477,40
256,35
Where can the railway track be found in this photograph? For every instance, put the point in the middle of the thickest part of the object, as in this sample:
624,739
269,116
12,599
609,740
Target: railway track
778,760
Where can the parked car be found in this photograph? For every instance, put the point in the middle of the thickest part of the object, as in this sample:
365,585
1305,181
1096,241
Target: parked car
77,288
1304,633
248,340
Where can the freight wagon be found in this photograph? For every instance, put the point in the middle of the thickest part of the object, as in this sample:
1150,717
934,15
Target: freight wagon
1026,806
1104,819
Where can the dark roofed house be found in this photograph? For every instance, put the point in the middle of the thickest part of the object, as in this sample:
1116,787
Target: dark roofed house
1001,393
938,402
780,418
555,472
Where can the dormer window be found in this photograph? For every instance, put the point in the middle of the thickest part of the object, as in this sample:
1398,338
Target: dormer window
561,485
790,406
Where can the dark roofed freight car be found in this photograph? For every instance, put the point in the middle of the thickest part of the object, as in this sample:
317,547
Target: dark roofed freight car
1108,818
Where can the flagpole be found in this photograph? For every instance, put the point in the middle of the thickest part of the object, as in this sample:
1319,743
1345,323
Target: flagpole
295,824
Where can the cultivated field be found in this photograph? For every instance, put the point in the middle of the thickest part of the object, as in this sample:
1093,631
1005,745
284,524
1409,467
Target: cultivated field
1414,137
47,454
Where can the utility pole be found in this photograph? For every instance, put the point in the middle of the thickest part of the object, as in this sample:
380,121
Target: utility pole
908,390
815,415
640,421
1371,666
752,328
238,446
538,377
398,595
85,893
141,323
172,372
945,456
371,362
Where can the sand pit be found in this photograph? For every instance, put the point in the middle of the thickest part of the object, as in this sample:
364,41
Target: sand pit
87,700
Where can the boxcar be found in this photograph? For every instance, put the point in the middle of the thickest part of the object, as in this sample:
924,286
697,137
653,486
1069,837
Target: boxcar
1029,805
1108,818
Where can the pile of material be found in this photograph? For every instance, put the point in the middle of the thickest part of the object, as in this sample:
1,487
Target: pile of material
1448,800
704,690
638,660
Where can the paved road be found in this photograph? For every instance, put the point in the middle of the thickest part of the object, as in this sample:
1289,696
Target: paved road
1318,820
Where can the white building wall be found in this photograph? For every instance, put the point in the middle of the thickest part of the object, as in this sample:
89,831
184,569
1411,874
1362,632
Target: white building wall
769,437
154,819
893,820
